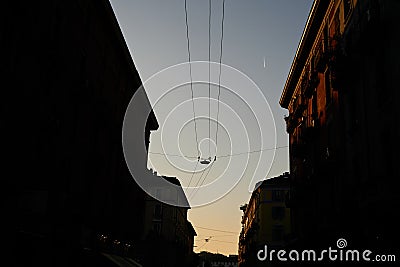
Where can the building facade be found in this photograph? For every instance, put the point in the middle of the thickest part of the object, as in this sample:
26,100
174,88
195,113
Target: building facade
168,236
208,259
70,77
265,221
340,94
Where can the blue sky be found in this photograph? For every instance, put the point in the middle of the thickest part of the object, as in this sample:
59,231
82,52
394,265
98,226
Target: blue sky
254,30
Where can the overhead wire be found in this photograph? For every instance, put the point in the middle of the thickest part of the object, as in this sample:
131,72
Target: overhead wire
200,236
209,107
202,173
202,245
194,171
208,171
219,87
215,230
191,79
221,156
172,155
251,152
209,98
208,238
224,241
209,78
220,70
192,93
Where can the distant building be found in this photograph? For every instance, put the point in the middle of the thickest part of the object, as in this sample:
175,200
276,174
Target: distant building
341,94
208,259
266,220
168,237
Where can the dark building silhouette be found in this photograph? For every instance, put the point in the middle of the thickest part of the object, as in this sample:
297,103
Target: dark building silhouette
68,79
208,259
168,237
343,127
265,221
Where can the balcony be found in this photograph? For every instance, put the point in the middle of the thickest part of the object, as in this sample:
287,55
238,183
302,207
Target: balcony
321,57
293,120
299,105
309,128
312,83
289,124
289,203
338,68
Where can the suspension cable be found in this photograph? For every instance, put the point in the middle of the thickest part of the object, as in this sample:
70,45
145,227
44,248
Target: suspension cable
219,78
221,156
204,179
194,171
209,78
191,79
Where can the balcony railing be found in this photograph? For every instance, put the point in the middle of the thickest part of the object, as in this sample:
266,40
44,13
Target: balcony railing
308,128
320,57
299,105
312,83
290,124
337,64
295,117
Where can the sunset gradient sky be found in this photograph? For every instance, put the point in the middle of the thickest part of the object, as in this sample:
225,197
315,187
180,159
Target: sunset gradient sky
260,40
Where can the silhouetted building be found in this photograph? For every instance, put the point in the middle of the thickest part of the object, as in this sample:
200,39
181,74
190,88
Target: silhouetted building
208,259
341,94
168,237
70,78
265,221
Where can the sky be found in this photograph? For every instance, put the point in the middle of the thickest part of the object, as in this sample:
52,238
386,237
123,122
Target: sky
259,43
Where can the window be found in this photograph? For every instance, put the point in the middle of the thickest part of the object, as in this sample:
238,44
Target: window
328,91
278,213
314,108
326,38
337,24
277,195
157,212
277,233
157,228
